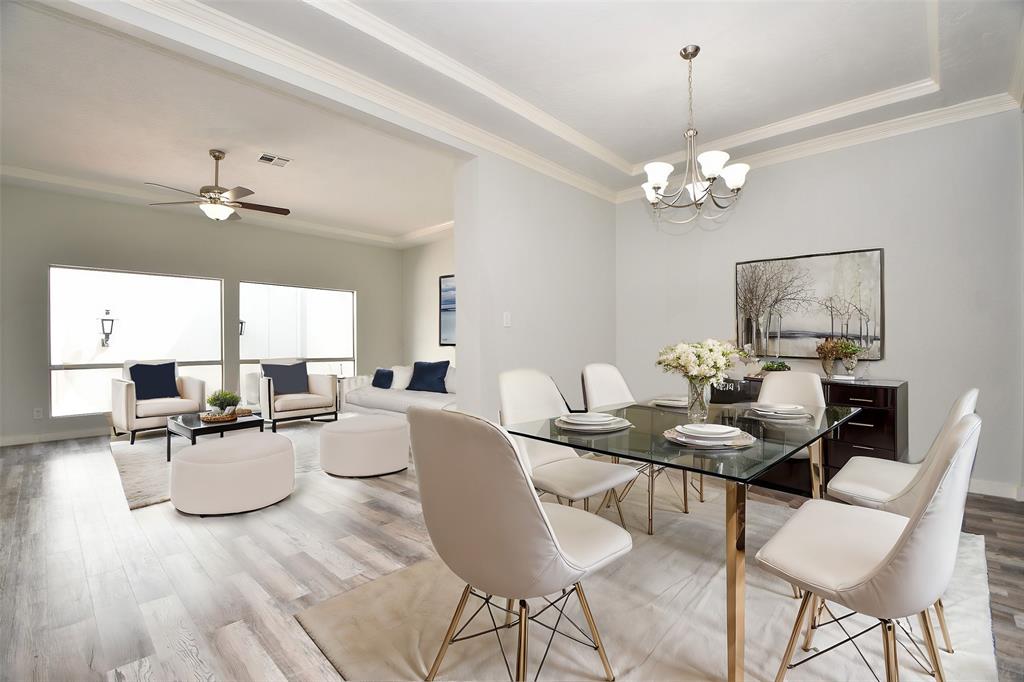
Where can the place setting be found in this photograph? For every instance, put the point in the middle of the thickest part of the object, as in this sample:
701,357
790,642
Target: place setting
710,437
671,402
779,412
592,422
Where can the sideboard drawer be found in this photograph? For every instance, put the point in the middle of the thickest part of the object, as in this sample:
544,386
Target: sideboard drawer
838,453
870,426
859,396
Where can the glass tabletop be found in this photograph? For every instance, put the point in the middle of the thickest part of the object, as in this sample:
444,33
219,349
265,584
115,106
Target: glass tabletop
775,440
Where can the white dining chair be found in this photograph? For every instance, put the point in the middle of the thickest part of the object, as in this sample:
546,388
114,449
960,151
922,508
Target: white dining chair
877,563
528,395
798,388
896,486
604,387
490,528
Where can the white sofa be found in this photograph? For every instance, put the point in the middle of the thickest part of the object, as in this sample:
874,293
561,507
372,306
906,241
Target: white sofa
358,396
129,415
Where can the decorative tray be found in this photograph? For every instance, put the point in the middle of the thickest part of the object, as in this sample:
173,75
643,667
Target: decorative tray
209,418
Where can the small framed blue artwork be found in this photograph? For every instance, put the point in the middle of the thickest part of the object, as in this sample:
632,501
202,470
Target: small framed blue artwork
446,310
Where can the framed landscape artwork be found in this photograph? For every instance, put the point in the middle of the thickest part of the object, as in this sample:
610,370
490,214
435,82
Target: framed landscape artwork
786,306
446,312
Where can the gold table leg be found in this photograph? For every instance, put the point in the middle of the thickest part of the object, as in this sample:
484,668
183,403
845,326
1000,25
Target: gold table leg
735,578
816,468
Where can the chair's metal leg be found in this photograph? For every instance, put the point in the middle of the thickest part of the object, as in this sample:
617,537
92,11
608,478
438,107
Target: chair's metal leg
940,614
451,633
650,500
797,592
791,646
686,492
892,666
594,634
817,604
572,502
509,603
586,504
524,621
618,508
700,479
933,648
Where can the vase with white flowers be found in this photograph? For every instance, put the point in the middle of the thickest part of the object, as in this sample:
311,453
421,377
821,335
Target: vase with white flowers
703,364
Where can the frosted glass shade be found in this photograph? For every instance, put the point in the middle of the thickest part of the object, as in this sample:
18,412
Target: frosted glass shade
711,163
217,211
698,194
649,192
735,175
657,174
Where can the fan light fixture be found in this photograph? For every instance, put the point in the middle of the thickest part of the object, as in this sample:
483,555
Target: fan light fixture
696,195
216,211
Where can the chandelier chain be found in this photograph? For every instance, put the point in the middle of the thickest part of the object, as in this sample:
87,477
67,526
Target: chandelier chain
689,66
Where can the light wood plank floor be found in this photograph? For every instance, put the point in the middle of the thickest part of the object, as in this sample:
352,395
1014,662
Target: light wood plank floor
91,590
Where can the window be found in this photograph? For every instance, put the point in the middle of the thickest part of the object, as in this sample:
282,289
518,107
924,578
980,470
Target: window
154,317
296,322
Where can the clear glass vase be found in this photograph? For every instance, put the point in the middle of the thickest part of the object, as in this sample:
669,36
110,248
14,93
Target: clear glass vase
700,394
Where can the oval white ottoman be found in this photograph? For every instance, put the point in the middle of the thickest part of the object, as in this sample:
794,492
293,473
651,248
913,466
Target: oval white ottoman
236,474
365,445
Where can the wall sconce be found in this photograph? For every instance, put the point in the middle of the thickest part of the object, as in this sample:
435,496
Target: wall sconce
106,328
241,327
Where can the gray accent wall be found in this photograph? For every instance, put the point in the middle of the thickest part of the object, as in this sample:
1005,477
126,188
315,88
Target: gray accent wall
39,228
944,203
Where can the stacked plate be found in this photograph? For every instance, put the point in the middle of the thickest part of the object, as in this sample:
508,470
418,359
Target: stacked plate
710,436
670,401
592,422
780,411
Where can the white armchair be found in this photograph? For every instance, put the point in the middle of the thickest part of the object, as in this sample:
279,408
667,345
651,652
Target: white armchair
129,415
319,400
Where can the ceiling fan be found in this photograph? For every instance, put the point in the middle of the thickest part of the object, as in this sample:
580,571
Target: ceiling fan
219,203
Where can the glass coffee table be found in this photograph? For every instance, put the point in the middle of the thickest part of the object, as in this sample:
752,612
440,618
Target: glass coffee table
190,425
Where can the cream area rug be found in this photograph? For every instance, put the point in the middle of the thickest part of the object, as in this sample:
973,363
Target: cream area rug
660,610
146,474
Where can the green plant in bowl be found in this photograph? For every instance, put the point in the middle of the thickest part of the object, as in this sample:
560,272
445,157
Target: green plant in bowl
775,366
223,400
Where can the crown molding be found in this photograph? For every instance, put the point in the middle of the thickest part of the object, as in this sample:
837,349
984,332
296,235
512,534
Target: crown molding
389,34
192,17
859,105
34,178
964,111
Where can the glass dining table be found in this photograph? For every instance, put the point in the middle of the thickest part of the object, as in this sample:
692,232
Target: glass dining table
776,440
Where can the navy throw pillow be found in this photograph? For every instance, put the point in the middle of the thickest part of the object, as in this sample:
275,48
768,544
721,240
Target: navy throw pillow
382,378
288,378
154,381
429,376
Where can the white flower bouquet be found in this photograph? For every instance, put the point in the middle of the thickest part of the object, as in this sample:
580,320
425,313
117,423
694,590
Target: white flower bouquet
703,364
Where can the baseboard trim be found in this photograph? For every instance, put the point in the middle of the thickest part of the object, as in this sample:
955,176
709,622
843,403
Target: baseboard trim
28,438
996,489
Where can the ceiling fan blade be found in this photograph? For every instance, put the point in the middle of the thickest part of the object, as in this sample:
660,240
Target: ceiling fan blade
183,191
265,209
236,193
234,216
175,203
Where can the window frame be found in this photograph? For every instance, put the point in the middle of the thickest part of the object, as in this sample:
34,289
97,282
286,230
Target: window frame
51,368
355,317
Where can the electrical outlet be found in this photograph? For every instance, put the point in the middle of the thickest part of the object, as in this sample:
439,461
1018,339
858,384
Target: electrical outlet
37,413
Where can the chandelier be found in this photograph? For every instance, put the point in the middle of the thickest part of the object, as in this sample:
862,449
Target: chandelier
700,192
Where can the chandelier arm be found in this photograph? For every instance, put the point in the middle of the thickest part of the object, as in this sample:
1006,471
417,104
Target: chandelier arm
691,204
683,221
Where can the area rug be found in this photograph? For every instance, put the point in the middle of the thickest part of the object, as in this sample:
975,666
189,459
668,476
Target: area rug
145,472
660,609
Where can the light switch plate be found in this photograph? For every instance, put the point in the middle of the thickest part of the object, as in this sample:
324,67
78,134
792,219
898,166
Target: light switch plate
37,413
506,319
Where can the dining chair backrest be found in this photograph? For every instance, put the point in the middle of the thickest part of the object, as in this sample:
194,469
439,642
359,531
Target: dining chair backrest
604,386
917,571
906,500
799,388
527,395
481,510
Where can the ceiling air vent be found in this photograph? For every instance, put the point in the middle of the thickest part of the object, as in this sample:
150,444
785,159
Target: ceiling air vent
273,159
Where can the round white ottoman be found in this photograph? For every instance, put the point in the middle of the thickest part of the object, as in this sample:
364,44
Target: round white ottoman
235,474
365,445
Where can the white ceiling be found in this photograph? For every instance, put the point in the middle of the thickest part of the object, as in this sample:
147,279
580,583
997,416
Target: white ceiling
584,91
92,105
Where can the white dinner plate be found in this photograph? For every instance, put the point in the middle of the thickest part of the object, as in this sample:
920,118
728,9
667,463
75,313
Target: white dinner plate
778,408
775,417
670,402
589,418
708,430
615,425
744,440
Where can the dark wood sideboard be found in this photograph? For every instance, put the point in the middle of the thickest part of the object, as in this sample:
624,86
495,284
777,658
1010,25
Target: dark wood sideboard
878,430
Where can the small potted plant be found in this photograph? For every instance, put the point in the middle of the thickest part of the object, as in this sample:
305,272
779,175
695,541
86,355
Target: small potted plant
775,366
832,349
222,400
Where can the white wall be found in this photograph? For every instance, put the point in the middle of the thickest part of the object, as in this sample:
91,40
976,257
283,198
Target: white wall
544,252
944,203
421,267
39,228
